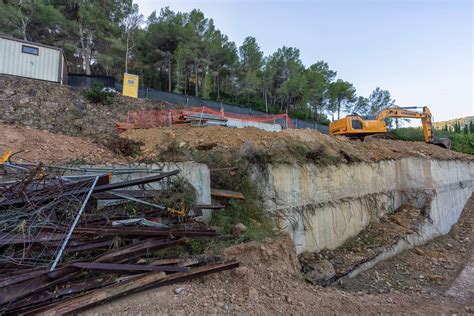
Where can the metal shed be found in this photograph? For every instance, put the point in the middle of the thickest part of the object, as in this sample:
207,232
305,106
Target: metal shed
32,60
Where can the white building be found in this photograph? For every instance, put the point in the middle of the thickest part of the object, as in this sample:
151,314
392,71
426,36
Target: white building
32,60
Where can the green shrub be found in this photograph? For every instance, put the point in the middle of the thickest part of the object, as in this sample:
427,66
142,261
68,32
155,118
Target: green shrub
97,94
126,147
463,143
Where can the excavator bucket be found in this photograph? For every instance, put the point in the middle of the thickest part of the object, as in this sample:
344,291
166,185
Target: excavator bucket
442,142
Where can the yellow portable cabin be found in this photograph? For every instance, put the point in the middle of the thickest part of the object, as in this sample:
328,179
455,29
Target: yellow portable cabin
130,85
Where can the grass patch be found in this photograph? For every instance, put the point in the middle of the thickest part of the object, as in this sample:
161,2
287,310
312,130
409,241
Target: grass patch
233,172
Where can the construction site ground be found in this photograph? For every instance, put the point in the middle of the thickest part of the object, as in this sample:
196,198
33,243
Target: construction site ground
269,281
217,139
32,145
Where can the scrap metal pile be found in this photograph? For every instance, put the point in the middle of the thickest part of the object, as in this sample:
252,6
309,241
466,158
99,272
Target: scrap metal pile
61,253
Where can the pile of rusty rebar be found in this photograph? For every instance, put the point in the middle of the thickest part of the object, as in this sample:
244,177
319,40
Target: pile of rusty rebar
61,252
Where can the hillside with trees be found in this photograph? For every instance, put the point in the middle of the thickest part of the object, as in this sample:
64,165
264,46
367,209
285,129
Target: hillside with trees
185,52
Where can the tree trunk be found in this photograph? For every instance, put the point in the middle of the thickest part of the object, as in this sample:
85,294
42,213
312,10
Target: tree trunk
266,101
169,74
85,50
218,87
126,52
196,88
24,22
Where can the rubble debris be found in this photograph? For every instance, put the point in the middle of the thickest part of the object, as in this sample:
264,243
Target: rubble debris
328,266
316,271
60,253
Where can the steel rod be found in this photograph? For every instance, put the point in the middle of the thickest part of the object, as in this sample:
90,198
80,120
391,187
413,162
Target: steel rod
73,226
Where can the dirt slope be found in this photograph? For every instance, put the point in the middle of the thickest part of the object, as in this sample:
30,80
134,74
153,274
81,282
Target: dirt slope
267,283
223,139
36,145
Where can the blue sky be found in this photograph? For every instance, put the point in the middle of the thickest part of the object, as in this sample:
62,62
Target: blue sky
421,51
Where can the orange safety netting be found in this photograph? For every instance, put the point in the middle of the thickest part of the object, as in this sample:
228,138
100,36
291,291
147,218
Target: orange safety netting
157,118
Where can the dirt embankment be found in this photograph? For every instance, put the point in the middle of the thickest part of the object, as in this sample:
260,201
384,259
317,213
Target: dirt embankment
268,282
33,146
284,146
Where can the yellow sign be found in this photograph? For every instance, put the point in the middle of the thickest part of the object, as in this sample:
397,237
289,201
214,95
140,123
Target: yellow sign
130,85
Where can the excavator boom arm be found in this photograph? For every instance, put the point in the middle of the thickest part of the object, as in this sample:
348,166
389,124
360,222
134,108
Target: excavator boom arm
425,117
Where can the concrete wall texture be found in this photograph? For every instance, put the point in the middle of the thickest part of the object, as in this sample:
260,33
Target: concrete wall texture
323,207
196,174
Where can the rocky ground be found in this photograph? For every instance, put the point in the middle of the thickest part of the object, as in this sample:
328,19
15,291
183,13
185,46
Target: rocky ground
428,269
269,281
328,266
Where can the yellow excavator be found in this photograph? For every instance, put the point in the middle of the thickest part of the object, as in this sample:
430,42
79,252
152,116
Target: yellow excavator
357,126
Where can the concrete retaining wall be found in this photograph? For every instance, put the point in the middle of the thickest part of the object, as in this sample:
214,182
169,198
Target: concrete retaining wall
323,206
197,174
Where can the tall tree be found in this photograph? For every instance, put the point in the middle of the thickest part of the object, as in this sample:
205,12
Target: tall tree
130,23
341,94
361,106
380,99
250,72
318,77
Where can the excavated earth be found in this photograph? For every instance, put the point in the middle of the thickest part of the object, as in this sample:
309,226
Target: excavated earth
224,140
270,279
32,146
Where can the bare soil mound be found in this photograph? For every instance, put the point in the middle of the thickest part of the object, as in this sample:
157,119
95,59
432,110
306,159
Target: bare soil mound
224,139
34,145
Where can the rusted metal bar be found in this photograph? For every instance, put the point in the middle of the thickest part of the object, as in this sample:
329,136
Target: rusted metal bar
143,231
134,251
89,246
148,281
47,297
127,268
24,239
97,189
34,284
20,277
140,194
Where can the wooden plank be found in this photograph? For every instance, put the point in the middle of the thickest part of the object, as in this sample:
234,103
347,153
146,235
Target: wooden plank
227,194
